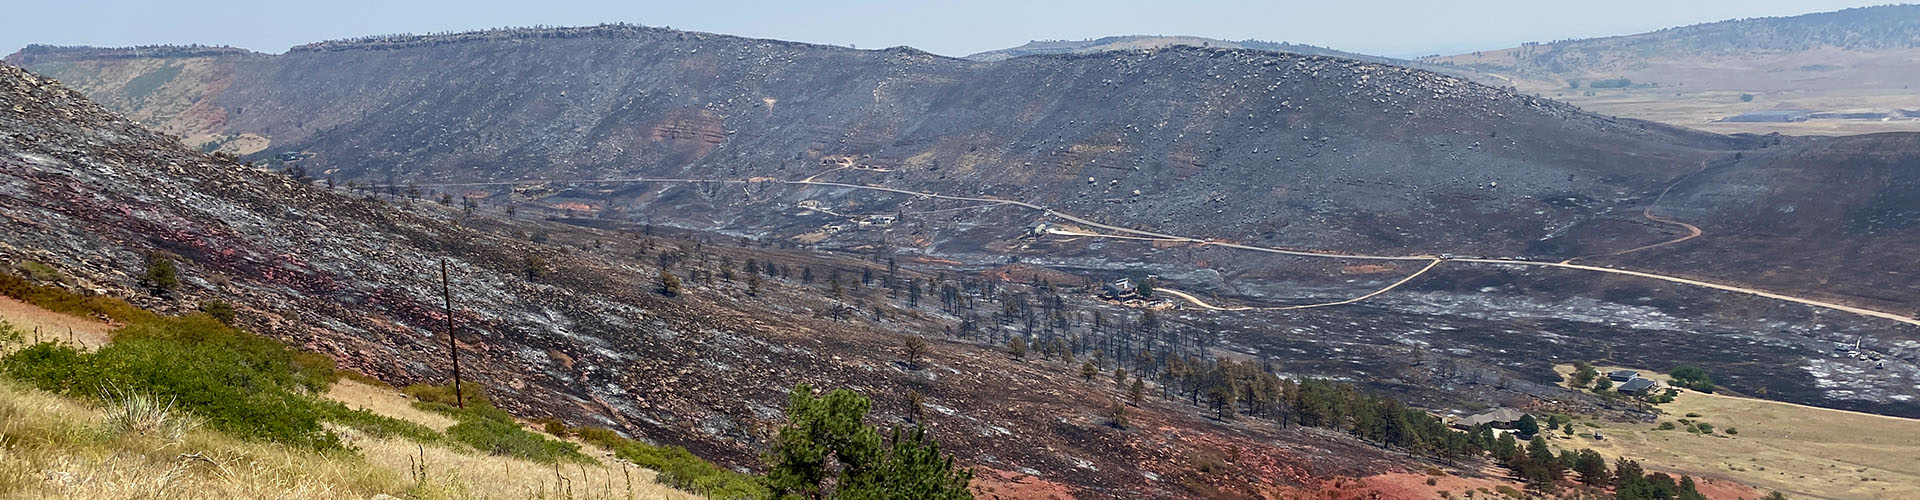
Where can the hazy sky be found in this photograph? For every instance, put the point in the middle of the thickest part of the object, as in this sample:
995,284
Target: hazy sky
1386,27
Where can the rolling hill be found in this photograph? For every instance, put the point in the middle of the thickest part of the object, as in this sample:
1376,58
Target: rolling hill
1841,72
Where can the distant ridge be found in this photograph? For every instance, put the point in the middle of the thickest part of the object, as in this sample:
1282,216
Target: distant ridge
43,53
1136,42
609,31
1760,40
1858,62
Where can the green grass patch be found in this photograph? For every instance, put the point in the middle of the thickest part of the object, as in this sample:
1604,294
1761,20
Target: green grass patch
472,394
491,429
10,335
377,425
140,86
248,392
507,438
243,384
678,467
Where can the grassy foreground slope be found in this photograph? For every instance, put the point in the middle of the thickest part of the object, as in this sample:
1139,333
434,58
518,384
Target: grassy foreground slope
145,435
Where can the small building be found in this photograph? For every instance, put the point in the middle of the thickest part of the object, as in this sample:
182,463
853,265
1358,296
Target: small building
1498,418
1623,375
1637,387
1119,289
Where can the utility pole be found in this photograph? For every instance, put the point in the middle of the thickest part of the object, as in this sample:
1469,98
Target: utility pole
453,348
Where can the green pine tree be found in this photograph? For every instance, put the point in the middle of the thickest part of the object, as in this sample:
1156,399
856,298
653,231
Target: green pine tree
1527,426
826,438
1592,469
669,284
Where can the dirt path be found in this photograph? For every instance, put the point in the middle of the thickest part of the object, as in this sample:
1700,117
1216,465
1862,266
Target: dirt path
1716,286
1389,288
1204,305
51,325
1196,300
1692,230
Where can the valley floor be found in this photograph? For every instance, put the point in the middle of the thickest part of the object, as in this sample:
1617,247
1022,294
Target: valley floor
1797,449
1705,110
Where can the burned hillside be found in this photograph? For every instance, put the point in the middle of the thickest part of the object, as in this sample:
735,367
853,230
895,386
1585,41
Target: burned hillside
573,322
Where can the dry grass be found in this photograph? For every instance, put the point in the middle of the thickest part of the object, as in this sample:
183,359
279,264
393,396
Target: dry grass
455,474
450,473
85,333
1700,109
57,447
385,401
54,447
1796,449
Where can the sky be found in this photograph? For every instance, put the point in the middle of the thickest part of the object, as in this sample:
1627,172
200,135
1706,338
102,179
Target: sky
1399,28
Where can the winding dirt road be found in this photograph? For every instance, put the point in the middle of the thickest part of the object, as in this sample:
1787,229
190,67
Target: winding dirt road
1204,305
1692,230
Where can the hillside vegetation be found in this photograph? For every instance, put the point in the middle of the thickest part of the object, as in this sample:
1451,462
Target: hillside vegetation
188,407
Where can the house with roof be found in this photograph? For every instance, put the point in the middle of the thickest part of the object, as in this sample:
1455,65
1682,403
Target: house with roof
1623,375
1119,289
1637,387
1498,418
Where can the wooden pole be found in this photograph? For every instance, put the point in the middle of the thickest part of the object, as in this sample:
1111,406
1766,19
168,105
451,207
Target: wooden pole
453,348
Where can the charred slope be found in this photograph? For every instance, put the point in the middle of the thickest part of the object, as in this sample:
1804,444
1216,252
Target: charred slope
1262,147
1155,42
571,327
1285,138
